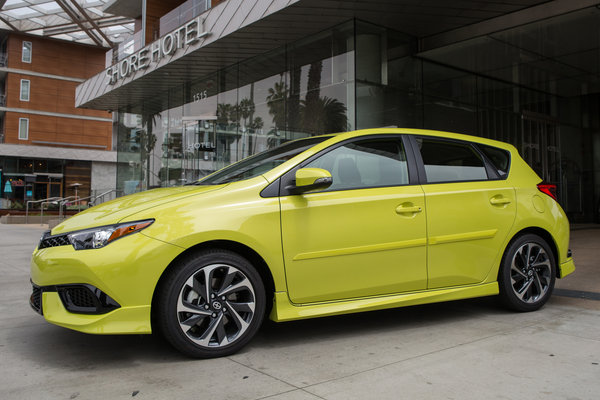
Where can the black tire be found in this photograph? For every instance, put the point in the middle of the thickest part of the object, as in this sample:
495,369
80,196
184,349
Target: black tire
227,321
527,273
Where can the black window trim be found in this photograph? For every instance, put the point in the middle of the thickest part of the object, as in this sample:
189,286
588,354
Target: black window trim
491,172
277,188
491,163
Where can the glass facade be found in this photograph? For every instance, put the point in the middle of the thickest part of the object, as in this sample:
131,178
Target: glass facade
359,75
304,89
25,179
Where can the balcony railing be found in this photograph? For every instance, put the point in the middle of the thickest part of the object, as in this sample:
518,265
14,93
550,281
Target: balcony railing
182,14
3,59
2,100
168,22
124,50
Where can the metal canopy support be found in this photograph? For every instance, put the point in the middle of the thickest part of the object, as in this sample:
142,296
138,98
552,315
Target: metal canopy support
73,27
14,28
80,21
77,19
91,22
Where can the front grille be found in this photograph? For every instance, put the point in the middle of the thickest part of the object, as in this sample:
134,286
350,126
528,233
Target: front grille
35,300
53,241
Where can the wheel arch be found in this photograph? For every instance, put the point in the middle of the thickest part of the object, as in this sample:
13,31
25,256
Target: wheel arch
243,250
544,234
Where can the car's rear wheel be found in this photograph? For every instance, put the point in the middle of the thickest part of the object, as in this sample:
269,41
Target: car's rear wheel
527,273
211,304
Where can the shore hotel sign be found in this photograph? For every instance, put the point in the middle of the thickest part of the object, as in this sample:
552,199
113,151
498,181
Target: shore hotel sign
166,45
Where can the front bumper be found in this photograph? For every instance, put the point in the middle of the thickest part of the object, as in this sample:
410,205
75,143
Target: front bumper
126,272
78,299
124,320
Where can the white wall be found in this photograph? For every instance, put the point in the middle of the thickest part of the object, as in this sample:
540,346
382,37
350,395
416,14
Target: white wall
104,176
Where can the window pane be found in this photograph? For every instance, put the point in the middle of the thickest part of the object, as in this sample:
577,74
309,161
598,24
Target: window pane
24,90
23,128
263,162
363,164
500,158
451,162
26,53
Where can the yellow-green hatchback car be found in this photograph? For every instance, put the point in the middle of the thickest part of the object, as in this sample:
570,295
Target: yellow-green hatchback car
320,226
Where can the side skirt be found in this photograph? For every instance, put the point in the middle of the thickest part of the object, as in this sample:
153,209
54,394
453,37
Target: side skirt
284,310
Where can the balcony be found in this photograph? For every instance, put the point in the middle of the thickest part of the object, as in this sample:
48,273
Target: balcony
182,14
124,50
3,59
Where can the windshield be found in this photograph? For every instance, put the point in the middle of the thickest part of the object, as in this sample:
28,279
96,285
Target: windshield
260,163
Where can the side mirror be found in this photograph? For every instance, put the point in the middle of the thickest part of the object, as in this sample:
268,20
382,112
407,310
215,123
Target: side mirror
308,179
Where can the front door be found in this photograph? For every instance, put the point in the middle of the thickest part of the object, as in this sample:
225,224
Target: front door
364,235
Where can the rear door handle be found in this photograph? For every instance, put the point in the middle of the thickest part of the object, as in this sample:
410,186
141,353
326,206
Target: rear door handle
499,201
408,209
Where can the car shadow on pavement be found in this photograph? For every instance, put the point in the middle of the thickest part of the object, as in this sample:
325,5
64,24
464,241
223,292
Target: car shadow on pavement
394,320
46,344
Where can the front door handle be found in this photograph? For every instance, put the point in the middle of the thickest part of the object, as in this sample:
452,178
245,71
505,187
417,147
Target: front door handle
405,209
499,201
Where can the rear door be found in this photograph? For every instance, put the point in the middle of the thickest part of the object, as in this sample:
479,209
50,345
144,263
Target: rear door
470,211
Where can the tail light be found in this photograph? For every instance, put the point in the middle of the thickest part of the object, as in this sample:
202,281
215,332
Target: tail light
548,189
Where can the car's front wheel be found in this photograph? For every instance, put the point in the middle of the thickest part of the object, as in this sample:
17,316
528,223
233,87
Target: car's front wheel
211,304
527,273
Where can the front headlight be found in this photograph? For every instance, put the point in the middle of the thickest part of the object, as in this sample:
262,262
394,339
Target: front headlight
96,238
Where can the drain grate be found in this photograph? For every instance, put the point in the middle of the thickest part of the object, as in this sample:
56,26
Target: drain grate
578,294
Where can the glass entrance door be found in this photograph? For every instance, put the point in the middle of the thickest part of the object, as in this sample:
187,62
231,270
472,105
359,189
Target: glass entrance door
541,148
199,148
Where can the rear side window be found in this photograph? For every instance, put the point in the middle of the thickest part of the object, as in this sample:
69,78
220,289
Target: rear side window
500,159
447,161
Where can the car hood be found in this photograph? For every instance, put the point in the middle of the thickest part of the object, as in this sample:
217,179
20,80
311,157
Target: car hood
116,210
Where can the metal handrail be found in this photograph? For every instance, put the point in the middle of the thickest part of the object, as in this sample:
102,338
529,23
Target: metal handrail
42,208
101,195
63,201
80,200
37,201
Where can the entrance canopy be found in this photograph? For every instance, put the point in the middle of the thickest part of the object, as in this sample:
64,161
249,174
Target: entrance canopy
240,29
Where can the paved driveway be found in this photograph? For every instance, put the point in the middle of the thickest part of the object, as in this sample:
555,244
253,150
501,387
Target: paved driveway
461,350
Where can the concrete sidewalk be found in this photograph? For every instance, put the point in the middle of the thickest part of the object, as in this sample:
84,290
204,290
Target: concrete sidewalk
460,350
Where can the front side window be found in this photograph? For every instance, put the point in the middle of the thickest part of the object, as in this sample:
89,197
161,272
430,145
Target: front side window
447,161
24,90
364,164
26,52
23,128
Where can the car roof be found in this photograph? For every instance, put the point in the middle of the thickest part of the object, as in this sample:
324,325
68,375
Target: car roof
425,132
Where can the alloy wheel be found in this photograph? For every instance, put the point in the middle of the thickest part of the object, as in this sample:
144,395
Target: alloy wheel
530,273
216,305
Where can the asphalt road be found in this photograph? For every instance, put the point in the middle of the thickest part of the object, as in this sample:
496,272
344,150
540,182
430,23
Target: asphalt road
461,350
